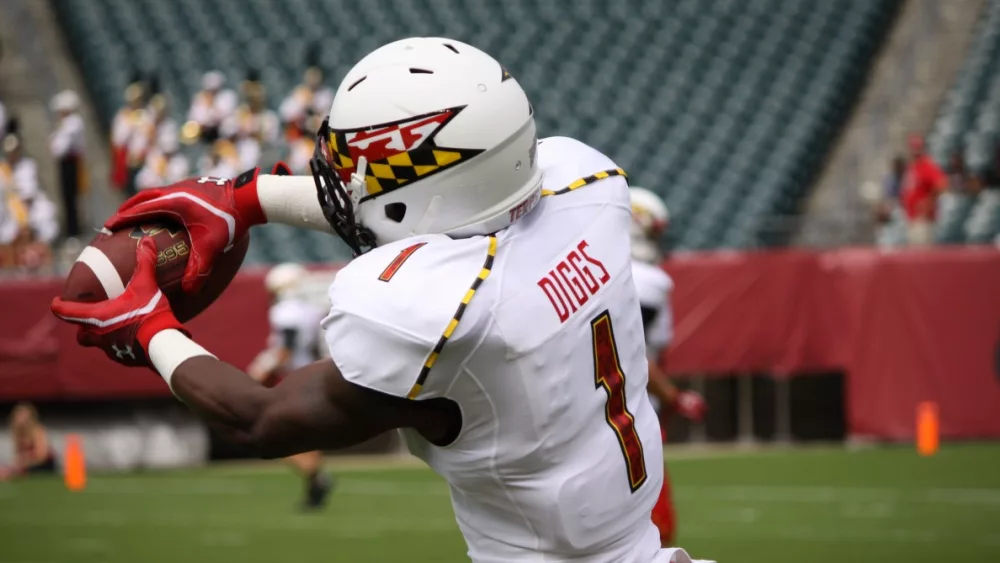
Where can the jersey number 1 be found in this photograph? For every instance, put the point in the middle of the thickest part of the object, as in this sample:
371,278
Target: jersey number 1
398,261
608,374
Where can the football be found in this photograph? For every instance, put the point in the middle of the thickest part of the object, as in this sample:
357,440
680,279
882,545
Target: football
105,267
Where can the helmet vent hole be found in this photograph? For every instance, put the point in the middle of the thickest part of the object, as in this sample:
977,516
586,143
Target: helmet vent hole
358,81
395,211
421,71
452,47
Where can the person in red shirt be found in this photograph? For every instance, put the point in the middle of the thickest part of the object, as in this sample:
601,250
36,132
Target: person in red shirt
922,183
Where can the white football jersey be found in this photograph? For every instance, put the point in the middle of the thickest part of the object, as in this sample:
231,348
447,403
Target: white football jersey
536,334
296,319
654,287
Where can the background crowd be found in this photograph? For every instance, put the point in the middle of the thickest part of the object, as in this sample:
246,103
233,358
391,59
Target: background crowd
229,129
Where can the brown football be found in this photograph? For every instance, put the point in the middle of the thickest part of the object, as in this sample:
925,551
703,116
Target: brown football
104,268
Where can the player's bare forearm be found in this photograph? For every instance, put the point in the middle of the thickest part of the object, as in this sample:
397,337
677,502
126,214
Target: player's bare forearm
312,408
659,385
225,397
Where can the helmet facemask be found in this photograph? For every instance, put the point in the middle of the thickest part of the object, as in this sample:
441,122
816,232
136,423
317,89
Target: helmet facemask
338,200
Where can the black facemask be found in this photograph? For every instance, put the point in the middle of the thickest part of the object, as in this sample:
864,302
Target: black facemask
334,198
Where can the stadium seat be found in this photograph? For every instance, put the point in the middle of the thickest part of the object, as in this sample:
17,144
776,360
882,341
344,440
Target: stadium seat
969,121
984,219
953,210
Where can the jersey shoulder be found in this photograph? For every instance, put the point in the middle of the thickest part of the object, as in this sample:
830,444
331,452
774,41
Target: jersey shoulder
391,308
565,160
651,282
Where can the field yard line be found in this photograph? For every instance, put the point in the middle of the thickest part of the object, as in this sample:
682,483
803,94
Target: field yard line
373,486
397,461
222,487
173,486
87,544
898,535
831,494
679,453
224,539
352,527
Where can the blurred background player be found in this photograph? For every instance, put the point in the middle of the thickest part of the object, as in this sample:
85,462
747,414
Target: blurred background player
253,128
309,98
302,146
13,215
294,342
123,127
650,219
29,220
68,148
222,161
209,108
165,164
32,452
155,125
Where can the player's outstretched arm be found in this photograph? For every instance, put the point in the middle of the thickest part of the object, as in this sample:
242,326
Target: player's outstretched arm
312,408
217,212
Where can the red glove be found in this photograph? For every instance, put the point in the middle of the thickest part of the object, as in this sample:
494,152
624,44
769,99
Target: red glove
123,326
691,405
216,213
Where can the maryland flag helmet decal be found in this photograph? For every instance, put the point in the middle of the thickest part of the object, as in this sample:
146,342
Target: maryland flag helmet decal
398,153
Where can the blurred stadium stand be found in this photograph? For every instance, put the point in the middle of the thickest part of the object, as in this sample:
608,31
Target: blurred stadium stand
907,83
727,108
969,121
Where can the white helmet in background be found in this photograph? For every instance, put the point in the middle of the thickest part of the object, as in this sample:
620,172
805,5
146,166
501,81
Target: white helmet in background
426,135
650,219
283,279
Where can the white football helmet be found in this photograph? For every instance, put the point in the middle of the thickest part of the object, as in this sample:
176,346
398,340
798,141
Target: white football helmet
282,280
426,135
650,219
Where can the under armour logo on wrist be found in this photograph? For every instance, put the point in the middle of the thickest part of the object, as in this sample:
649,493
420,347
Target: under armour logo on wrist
120,353
210,179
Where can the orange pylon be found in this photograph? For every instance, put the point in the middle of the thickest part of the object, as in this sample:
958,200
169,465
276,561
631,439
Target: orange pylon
74,464
928,428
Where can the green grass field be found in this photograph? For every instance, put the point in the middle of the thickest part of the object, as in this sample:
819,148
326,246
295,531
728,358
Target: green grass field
809,505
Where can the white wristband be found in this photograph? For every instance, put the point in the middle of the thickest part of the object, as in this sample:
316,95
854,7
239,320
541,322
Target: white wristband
169,349
291,200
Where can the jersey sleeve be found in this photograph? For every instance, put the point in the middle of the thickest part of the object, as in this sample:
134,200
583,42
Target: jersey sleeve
654,286
375,355
393,309
283,316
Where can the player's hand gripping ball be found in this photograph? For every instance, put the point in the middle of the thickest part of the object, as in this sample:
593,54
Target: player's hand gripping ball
123,326
106,266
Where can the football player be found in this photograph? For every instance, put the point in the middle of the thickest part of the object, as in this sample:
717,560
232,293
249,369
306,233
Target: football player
650,219
490,312
294,343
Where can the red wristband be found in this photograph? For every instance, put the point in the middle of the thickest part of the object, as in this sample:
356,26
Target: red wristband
156,323
245,198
